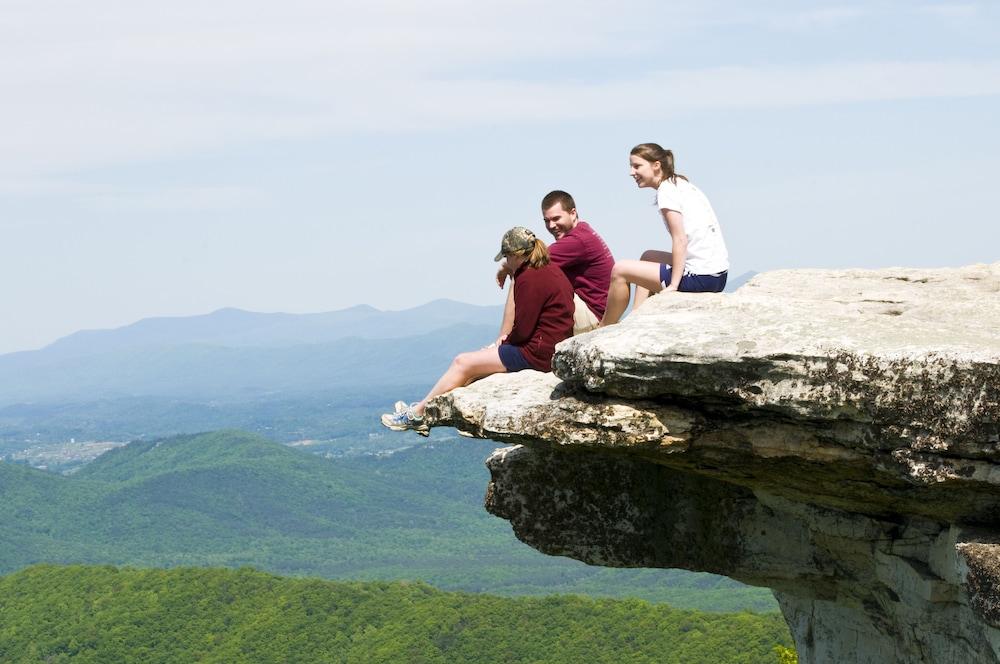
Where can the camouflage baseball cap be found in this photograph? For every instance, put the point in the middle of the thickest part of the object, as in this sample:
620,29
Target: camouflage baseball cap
515,241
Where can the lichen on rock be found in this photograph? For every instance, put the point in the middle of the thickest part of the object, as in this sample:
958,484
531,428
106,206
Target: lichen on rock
833,435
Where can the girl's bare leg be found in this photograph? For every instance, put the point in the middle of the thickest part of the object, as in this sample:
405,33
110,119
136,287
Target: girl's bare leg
651,256
641,273
464,368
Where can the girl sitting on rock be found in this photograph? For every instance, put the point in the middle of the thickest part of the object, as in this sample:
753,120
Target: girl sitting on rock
543,316
697,261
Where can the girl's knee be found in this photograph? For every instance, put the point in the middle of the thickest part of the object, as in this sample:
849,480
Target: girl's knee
462,361
623,273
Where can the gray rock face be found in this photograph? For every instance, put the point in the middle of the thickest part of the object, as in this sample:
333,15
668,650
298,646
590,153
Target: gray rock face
834,436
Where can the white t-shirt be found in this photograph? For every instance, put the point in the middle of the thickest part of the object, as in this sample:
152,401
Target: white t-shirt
706,250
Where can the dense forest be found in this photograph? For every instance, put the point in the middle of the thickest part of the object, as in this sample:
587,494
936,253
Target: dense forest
233,499
102,614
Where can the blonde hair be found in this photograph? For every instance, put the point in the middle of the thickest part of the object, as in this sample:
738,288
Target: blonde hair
537,256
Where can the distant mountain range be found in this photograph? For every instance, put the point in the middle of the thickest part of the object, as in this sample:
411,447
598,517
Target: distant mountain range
231,352
235,354
235,328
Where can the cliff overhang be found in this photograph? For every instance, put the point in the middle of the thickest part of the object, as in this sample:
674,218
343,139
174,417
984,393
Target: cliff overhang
833,435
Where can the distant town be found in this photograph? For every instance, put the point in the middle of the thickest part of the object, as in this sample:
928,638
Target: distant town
61,457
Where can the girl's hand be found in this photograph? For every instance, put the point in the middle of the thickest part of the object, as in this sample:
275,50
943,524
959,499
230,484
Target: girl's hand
502,338
502,274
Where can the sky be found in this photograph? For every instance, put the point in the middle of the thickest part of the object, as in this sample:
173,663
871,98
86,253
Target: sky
169,159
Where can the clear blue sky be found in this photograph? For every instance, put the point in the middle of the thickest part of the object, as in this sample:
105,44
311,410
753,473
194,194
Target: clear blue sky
174,158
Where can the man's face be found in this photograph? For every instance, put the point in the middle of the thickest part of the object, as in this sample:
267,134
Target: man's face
559,221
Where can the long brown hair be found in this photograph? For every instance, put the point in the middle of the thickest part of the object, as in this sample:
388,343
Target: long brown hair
653,152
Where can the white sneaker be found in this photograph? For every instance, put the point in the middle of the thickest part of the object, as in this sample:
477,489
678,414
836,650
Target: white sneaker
406,419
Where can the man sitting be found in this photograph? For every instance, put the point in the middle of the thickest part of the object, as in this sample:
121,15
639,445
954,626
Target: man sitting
580,253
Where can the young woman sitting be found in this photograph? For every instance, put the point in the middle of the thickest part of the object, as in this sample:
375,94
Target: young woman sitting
698,261
543,316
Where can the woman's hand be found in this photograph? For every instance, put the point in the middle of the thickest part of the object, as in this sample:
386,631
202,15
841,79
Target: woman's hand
496,344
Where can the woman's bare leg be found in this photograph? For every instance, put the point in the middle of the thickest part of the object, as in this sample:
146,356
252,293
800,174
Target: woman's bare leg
640,273
464,368
650,256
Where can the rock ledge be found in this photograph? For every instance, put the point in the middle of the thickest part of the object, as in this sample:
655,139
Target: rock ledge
833,435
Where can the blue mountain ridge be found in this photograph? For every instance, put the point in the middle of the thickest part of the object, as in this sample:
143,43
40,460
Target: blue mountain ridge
204,371
236,327
231,351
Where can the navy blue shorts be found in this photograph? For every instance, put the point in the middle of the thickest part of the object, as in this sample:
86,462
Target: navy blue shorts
695,283
512,358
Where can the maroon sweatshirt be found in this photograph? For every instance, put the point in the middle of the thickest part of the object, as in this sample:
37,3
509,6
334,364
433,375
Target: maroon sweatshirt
543,313
587,262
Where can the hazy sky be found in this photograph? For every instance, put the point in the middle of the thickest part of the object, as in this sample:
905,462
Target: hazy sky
171,158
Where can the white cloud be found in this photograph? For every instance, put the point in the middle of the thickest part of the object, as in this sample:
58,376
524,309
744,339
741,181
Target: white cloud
822,17
124,125
92,84
177,199
950,10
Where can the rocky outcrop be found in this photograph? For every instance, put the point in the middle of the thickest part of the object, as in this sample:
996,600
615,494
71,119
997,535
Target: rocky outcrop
833,435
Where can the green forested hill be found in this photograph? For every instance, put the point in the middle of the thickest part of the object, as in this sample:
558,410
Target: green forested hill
232,499
102,614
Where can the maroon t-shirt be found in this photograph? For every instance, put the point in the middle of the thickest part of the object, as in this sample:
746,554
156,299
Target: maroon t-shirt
543,313
587,262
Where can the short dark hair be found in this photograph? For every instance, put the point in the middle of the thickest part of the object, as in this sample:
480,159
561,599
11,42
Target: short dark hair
558,196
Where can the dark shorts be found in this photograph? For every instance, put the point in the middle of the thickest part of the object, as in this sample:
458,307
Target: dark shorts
695,283
512,358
